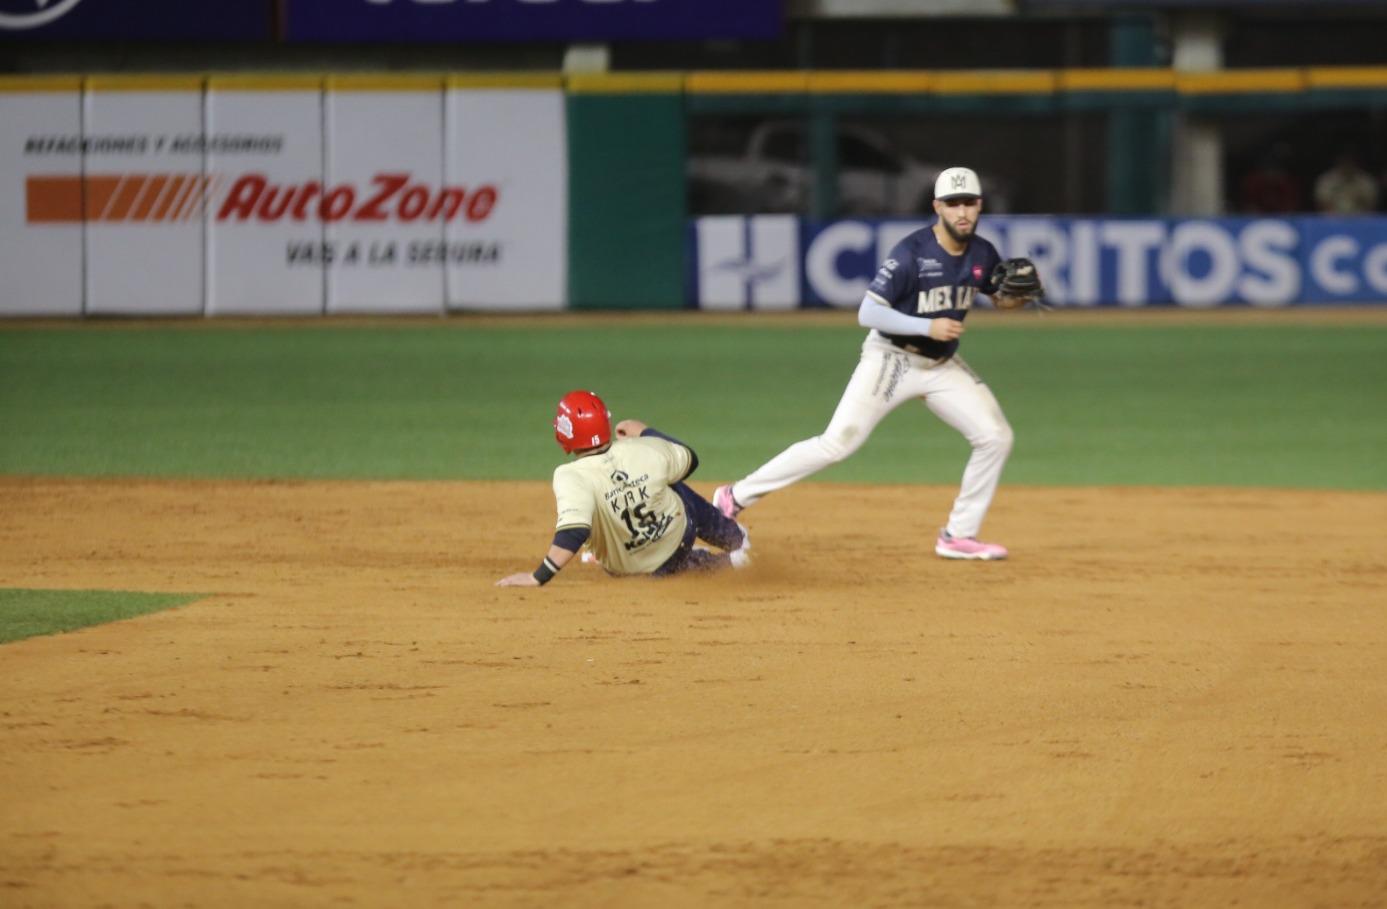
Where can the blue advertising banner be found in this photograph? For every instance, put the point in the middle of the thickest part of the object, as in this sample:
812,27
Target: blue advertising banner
137,20
779,262
1126,5
530,20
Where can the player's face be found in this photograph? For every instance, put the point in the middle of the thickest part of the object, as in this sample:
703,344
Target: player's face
959,216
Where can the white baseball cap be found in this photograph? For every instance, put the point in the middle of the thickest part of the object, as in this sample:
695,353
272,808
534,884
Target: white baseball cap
957,182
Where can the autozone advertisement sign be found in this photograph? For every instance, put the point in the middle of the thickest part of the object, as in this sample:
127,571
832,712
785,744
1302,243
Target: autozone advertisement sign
243,198
530,20
782,262
213,20
171,197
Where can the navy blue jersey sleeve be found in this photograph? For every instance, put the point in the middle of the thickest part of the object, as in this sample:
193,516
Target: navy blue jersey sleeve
572,538
895,279
693,455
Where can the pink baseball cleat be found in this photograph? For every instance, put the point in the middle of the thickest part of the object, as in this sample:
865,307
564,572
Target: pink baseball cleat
952,547
723,501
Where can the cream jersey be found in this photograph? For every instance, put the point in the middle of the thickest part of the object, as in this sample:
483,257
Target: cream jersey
624,495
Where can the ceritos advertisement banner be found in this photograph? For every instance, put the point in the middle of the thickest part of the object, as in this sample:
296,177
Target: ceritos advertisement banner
783,262
282,195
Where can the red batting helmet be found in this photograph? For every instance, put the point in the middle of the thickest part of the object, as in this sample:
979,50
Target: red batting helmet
582,422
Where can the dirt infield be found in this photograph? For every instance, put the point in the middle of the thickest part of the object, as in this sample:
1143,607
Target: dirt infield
1165,698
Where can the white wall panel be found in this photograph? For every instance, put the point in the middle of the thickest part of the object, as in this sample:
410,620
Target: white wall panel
383,194
508,247
265,232
41,197
147,193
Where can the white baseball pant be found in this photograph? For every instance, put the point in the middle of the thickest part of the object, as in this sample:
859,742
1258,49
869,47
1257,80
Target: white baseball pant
885,377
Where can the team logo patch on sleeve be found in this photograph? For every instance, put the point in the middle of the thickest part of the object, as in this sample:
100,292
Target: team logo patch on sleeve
883,275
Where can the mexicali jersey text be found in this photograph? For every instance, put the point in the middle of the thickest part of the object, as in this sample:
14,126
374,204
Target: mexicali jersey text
920,278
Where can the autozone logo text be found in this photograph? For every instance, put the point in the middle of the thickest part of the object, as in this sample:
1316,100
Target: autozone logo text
170,198
392,196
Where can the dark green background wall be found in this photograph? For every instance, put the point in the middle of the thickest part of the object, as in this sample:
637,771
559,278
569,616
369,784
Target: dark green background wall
626,202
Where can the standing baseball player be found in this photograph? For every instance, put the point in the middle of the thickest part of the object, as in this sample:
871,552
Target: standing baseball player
915,307
626,499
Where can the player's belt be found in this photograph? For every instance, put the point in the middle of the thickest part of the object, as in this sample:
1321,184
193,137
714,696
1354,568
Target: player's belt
918,350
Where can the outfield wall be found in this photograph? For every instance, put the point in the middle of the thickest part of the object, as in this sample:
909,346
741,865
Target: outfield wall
419,193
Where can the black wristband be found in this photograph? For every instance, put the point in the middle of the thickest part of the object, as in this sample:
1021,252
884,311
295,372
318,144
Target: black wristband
546,571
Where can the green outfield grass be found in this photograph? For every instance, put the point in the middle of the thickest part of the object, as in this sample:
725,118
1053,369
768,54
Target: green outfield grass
29,613
1279,405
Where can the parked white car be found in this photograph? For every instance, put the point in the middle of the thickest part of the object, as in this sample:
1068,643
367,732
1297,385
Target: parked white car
774,175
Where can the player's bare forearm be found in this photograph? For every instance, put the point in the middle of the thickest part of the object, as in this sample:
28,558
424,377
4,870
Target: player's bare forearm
557,556
560,556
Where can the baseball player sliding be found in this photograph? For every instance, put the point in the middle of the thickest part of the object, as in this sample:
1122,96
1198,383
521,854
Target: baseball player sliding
915,308
626,499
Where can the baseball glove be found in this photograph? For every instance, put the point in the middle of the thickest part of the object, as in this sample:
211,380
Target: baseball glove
1016,283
